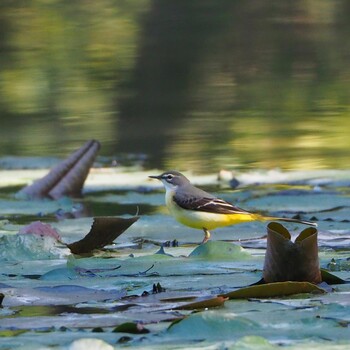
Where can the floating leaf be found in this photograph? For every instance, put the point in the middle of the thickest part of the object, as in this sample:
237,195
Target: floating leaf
53,310
30,247
66,178
89,343
104,231
276,289
58,295
203,304
211,325
218,250
288,261
131,327
11,332
330,278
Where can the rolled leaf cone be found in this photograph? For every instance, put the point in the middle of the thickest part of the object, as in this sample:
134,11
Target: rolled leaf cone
66,178
288,261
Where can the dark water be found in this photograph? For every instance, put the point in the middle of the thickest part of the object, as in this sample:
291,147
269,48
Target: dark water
199,84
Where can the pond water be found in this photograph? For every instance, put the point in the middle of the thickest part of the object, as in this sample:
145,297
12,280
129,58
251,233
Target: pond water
56,300
188,85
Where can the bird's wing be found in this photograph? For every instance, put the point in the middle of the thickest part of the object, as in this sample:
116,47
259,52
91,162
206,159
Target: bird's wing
207,204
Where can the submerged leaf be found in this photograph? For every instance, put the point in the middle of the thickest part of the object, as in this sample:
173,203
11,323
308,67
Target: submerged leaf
276,289
104,231
66,178
30,247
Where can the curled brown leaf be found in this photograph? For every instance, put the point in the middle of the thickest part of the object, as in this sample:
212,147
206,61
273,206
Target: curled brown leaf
66,178
104,231
291,261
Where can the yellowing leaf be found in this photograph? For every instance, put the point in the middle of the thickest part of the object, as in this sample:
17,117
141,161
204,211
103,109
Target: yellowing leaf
203,304
276,289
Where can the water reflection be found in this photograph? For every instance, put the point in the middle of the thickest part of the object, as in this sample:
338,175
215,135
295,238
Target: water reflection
191,84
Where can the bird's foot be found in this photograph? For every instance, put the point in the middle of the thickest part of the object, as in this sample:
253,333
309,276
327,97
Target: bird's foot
206,236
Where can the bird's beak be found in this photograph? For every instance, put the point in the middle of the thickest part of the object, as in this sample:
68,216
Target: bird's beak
154,177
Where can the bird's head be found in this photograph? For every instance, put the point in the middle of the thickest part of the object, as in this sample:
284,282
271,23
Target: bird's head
171,179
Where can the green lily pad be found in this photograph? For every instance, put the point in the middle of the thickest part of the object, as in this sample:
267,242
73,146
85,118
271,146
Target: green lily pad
217,250
11,332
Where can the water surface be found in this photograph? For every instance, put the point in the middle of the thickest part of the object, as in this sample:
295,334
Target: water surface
195,85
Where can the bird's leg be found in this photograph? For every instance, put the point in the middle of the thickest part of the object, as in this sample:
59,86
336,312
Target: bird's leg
206,235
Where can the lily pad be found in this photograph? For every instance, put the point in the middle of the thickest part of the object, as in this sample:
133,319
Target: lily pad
217,250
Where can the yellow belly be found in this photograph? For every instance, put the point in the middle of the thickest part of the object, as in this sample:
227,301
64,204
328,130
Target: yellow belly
201,219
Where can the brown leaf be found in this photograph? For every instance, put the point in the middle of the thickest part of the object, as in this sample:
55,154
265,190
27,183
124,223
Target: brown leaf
288,261
104,230
66,178
203,304
276,289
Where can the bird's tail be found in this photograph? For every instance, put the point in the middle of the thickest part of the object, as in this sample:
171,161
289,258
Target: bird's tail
272,218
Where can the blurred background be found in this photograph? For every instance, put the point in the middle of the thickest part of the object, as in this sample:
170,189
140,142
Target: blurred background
184,84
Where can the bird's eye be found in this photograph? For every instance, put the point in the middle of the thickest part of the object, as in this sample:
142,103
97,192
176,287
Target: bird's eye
169,177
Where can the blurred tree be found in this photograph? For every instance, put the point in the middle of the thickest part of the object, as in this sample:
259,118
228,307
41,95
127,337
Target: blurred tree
174,37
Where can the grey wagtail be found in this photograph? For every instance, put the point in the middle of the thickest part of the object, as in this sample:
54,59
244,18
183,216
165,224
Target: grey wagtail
196,208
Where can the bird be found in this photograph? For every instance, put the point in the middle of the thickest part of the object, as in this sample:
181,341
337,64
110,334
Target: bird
193,207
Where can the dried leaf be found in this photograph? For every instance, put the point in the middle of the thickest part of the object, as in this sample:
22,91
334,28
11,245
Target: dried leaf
104,230
276,289
66,178
288,261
